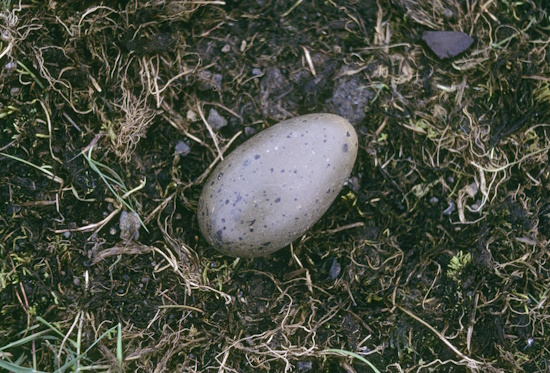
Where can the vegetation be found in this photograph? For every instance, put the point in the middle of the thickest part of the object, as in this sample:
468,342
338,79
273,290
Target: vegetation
434,258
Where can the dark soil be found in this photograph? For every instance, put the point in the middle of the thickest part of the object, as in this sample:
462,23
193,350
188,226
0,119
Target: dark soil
435,256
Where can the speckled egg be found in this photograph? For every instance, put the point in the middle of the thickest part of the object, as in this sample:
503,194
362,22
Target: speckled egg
270,190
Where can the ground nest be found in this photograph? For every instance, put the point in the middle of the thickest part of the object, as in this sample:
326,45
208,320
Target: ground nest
435,256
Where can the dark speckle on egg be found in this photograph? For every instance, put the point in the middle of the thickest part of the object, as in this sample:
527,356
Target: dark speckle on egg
275,186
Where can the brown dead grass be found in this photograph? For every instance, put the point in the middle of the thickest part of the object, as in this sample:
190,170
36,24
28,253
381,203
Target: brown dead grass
441,237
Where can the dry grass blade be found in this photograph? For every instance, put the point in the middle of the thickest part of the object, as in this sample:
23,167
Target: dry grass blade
472,363
446,211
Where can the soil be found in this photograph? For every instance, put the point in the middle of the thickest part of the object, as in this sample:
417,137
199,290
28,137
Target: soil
434,257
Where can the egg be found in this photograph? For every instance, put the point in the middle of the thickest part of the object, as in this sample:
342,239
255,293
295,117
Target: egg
271,189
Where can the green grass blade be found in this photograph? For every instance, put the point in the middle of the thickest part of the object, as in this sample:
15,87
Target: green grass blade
109,180
79,357
119,345
54,329
25,340
43,169
10,367
354,355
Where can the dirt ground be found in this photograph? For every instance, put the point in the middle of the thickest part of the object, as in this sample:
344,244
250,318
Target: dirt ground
434,258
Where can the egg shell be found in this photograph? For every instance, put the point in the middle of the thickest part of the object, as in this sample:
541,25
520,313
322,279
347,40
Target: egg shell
271,189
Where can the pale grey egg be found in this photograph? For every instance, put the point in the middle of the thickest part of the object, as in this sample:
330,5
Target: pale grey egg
270,190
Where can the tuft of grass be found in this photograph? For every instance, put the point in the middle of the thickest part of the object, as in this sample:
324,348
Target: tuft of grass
67,349
110,178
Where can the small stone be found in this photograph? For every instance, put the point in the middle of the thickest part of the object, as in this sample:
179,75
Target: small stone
215,120
11,65
218,79
447,44
182,148
273,83
304,366
452,207
335,269
209,81
354,184
249,131
129,225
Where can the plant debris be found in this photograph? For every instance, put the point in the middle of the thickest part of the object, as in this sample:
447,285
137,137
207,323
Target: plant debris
435,257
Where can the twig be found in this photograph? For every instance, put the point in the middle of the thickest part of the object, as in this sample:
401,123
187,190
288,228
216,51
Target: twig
441,337
210,131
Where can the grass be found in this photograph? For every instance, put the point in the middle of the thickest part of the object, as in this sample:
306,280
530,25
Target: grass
353,355
65,351
46,169
441,235
112,180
